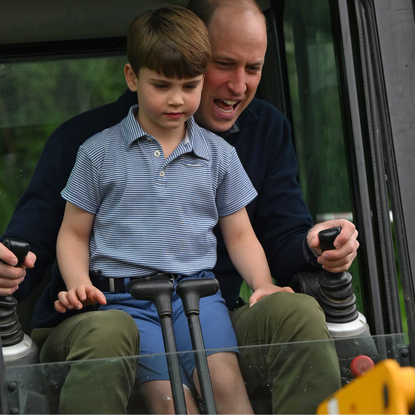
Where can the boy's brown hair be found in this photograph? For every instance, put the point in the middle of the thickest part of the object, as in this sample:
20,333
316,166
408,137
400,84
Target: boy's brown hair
170,40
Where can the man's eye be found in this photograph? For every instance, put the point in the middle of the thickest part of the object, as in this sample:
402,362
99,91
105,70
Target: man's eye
222,64
255,68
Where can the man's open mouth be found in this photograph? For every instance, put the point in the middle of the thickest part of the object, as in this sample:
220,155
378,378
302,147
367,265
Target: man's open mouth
226,105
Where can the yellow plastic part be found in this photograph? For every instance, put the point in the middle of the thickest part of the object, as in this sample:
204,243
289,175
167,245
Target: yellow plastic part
385,389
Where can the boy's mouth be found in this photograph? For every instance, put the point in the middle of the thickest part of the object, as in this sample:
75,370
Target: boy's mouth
174,114
226,105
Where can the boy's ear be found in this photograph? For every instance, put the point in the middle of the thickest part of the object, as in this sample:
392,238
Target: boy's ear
130,78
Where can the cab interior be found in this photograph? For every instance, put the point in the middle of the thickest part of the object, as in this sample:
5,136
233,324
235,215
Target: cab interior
342,74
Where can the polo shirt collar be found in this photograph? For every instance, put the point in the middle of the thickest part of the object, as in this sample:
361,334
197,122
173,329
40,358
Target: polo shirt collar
131,131
197,140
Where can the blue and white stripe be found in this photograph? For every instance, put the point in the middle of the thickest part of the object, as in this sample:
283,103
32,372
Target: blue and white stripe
155,214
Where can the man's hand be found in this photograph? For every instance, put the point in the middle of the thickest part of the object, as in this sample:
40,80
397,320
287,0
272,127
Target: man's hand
346,244
81,296
10,276
265,290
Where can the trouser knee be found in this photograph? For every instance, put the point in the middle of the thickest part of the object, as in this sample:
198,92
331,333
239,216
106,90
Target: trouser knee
110,333
301,312
279,318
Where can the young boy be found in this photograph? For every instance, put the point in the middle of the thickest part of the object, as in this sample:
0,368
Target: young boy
144,197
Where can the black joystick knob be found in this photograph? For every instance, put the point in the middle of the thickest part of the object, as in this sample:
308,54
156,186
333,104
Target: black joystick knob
10,329
335,294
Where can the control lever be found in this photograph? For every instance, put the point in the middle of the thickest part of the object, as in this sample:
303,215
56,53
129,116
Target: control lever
336,291
10,328
190,291
18,347
159,289
337,299
356,348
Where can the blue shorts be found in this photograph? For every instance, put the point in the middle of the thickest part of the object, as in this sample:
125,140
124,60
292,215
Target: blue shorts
216,326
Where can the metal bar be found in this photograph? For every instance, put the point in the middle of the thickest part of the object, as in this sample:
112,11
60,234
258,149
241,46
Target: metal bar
379,128
173,365
365,223
201,363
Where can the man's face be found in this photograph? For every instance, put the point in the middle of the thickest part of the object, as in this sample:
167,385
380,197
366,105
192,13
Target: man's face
239,43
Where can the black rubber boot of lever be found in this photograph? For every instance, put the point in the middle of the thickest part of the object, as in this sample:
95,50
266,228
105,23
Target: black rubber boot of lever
190,291
159,289
10,328
335,294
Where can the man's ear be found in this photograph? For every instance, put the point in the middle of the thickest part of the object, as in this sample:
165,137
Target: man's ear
130,78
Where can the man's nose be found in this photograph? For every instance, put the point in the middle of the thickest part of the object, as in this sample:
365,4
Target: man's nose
237,81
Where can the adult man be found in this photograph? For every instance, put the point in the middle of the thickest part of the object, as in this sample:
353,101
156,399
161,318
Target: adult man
280,219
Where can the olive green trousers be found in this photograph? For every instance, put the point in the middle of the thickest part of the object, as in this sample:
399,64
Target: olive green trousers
297,363
287,357
82,385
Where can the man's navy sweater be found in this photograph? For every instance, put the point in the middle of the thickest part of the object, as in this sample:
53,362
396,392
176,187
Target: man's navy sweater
278,215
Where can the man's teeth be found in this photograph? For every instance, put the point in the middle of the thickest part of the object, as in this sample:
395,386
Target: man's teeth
228,103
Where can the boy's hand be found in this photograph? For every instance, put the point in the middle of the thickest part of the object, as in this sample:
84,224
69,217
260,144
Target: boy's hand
81,296
265,290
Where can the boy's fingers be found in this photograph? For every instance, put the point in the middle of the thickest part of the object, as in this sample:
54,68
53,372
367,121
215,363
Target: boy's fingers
256,296
59,307
287,289
82,292
63,299
73,299
252,301
99,297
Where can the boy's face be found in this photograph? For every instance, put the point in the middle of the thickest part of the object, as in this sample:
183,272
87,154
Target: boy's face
164,103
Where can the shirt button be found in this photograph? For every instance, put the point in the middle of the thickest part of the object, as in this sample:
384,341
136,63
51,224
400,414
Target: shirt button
157,153
149,139
162,173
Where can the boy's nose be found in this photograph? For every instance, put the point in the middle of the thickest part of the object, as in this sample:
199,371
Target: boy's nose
175,99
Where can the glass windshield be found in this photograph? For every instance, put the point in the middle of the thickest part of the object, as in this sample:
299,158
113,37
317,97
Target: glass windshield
36,388
318,122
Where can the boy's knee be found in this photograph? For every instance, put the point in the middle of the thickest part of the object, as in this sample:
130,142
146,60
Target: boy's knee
224,370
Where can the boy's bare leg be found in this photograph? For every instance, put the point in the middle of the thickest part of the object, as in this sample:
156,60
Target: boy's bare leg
159,398
227,383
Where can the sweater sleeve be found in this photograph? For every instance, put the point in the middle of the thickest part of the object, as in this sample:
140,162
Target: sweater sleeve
39,212
280,217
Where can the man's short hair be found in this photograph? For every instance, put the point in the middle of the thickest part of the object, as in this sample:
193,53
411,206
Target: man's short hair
205,9
170,40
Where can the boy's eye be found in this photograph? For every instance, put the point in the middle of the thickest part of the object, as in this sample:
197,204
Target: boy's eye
160,86
190,86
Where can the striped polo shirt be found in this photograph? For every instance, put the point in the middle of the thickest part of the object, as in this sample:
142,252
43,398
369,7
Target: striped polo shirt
151,213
